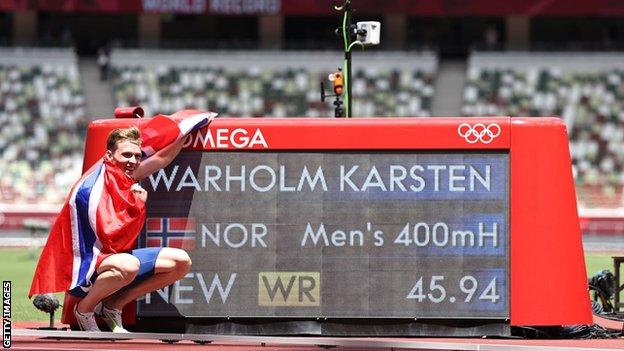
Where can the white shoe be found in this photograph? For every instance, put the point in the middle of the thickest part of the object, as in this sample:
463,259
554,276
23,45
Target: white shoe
86,321
112,317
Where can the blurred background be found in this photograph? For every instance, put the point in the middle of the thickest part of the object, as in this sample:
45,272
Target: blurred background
64,63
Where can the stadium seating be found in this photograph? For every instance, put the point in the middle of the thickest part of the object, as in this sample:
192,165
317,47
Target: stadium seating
43,122
264,84
586,90
42,107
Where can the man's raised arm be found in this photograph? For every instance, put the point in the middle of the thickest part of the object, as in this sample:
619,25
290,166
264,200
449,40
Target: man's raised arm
159,160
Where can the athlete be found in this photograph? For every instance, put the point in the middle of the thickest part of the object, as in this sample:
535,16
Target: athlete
123,276
89,252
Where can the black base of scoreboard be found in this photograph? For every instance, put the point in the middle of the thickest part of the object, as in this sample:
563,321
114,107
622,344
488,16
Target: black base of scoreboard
328,327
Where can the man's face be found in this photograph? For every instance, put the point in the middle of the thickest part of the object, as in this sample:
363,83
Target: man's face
127,156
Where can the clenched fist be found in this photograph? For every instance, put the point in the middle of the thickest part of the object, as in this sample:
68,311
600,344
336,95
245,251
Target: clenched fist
139,191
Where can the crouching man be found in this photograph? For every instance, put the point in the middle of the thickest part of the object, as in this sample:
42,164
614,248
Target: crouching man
90,250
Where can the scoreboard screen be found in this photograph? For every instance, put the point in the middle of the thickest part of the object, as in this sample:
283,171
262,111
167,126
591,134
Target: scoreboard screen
335,234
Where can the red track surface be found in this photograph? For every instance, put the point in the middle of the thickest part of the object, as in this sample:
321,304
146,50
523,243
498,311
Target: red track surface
23,343
53,345
36,344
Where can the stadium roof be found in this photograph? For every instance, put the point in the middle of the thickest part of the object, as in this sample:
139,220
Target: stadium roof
314,7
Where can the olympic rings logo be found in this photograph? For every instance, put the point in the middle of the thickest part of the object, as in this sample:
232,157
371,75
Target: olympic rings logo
479,132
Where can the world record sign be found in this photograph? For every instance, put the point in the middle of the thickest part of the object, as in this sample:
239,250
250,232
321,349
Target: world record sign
334,234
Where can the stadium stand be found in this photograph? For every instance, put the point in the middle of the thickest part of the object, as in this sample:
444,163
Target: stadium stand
586,90
42,106
43,125
275,84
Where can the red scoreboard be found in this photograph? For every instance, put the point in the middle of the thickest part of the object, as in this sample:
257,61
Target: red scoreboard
365,220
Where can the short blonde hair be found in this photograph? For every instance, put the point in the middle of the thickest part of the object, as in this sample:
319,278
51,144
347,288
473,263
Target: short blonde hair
131,134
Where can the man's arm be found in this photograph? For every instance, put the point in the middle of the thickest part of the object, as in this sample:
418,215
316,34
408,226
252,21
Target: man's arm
159,160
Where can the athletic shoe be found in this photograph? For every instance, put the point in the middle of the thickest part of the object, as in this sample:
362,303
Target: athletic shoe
86,321
111,316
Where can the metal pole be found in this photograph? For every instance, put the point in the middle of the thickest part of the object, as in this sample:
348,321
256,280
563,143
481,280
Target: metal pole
347,73
52,319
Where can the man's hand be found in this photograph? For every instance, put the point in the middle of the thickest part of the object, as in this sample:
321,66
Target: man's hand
139,192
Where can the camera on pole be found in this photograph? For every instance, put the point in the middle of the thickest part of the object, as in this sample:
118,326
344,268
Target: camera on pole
363,34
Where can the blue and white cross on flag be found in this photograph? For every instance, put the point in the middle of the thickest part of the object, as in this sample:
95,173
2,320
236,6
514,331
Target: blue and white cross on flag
171,232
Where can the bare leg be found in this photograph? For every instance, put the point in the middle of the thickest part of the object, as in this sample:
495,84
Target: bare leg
171,265
114,273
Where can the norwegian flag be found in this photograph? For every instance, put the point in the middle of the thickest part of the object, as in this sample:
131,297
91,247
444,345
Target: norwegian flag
171,232
163,130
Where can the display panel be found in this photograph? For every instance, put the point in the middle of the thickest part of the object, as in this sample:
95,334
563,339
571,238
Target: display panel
334,234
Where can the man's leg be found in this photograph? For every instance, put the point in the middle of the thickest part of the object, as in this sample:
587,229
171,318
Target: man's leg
171,265
114,273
